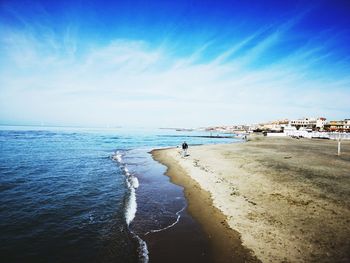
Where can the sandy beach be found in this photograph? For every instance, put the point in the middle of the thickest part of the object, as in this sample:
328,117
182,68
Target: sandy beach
270,199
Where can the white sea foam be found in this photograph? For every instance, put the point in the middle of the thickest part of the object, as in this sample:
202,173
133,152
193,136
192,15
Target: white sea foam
135,182
169,226
142,250
130,213
131,207
118,157
132,183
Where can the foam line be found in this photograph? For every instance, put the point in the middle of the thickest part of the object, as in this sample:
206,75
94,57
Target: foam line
118,157
131,207
169,226
142,250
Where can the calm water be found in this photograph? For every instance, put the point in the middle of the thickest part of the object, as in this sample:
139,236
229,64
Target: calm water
84,195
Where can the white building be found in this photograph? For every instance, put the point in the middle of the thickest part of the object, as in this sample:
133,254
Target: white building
308,123
320,122
300,124
347,124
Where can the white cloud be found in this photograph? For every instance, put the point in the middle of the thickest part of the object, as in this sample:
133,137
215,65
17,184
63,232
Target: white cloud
132,83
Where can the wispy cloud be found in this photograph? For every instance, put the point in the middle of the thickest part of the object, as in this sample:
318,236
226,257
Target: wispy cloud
127,82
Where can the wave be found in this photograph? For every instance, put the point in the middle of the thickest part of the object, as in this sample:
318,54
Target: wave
118,157
131,205
142,249
133,183
169,226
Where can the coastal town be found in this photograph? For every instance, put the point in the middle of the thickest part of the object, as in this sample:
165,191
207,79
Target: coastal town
307,124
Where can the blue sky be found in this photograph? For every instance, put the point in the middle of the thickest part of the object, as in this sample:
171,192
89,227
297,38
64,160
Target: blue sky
173,63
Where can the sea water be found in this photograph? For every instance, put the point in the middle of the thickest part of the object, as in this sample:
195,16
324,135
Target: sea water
86,195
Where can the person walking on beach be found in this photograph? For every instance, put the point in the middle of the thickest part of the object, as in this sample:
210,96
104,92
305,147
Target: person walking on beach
184,149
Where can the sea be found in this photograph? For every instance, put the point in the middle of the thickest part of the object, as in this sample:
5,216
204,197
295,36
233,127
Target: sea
94,195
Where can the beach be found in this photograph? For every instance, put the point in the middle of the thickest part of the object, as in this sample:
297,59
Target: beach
270,199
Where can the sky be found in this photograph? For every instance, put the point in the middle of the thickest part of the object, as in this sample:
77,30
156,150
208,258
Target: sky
172,63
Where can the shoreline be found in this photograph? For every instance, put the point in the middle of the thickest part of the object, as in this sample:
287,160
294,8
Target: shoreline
199,206
278,198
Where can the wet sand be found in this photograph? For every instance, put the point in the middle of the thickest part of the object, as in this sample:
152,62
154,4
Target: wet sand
271,199
225,245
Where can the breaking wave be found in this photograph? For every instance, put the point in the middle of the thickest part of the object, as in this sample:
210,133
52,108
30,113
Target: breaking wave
131,205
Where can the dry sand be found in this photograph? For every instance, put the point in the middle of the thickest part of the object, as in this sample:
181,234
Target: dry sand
286,200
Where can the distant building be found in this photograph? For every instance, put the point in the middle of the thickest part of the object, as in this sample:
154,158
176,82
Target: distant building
320,122
347,124
273,126
300,123
308,123
254,127
278,126
340,126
